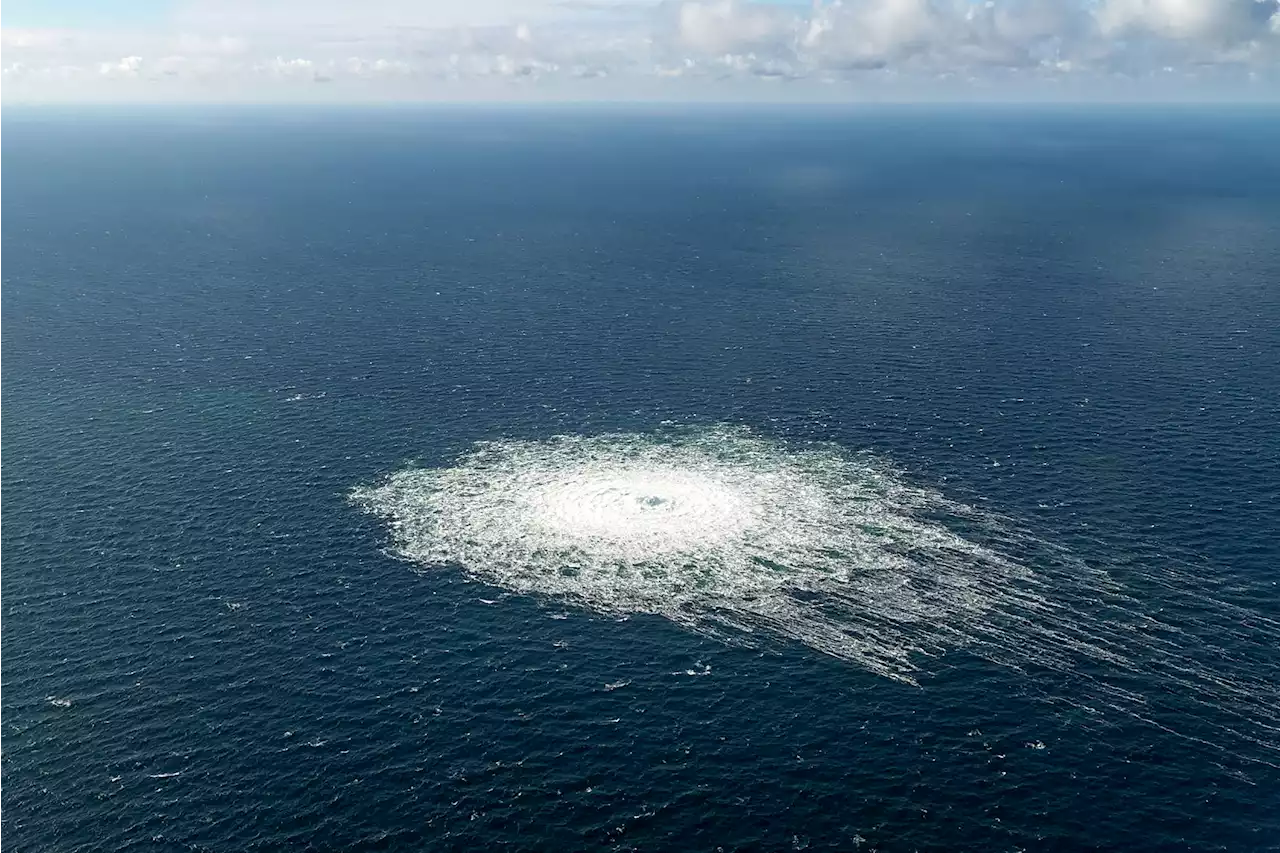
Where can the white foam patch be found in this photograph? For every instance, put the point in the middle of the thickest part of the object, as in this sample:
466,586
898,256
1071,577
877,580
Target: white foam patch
749,540
714,529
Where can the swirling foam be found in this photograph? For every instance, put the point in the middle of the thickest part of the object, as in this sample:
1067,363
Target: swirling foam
718,530
747,539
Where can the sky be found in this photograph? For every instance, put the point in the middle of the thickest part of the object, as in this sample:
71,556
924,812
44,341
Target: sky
131,51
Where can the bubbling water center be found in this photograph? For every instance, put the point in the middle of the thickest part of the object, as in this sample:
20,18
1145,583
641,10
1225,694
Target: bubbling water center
644,510
721,531
754,541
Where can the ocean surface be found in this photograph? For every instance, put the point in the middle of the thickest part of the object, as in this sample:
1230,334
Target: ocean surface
964,423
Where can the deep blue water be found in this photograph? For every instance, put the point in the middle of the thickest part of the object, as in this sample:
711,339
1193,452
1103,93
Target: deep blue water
216,323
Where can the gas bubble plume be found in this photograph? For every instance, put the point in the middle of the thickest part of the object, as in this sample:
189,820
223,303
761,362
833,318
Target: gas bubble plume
754,541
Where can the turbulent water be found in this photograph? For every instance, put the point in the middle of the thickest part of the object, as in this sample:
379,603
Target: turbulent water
715,529
742,538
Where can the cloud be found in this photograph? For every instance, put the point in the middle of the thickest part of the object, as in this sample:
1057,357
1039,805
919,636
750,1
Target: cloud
731,27
129,66
365,16
442,49
1217,22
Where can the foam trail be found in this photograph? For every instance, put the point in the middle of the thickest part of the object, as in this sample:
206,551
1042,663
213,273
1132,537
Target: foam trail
746,539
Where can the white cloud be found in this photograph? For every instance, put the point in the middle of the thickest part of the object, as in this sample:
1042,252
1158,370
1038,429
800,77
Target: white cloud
727,26
129,66
442,49
1212,21
32,40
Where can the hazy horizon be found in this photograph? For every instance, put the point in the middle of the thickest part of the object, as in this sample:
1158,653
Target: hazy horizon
698,51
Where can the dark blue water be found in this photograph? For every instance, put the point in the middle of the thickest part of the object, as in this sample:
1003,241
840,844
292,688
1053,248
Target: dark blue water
217,323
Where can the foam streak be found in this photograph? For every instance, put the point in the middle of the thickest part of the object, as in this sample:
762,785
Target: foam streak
745,539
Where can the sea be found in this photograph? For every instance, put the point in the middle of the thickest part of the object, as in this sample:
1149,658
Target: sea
328,438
